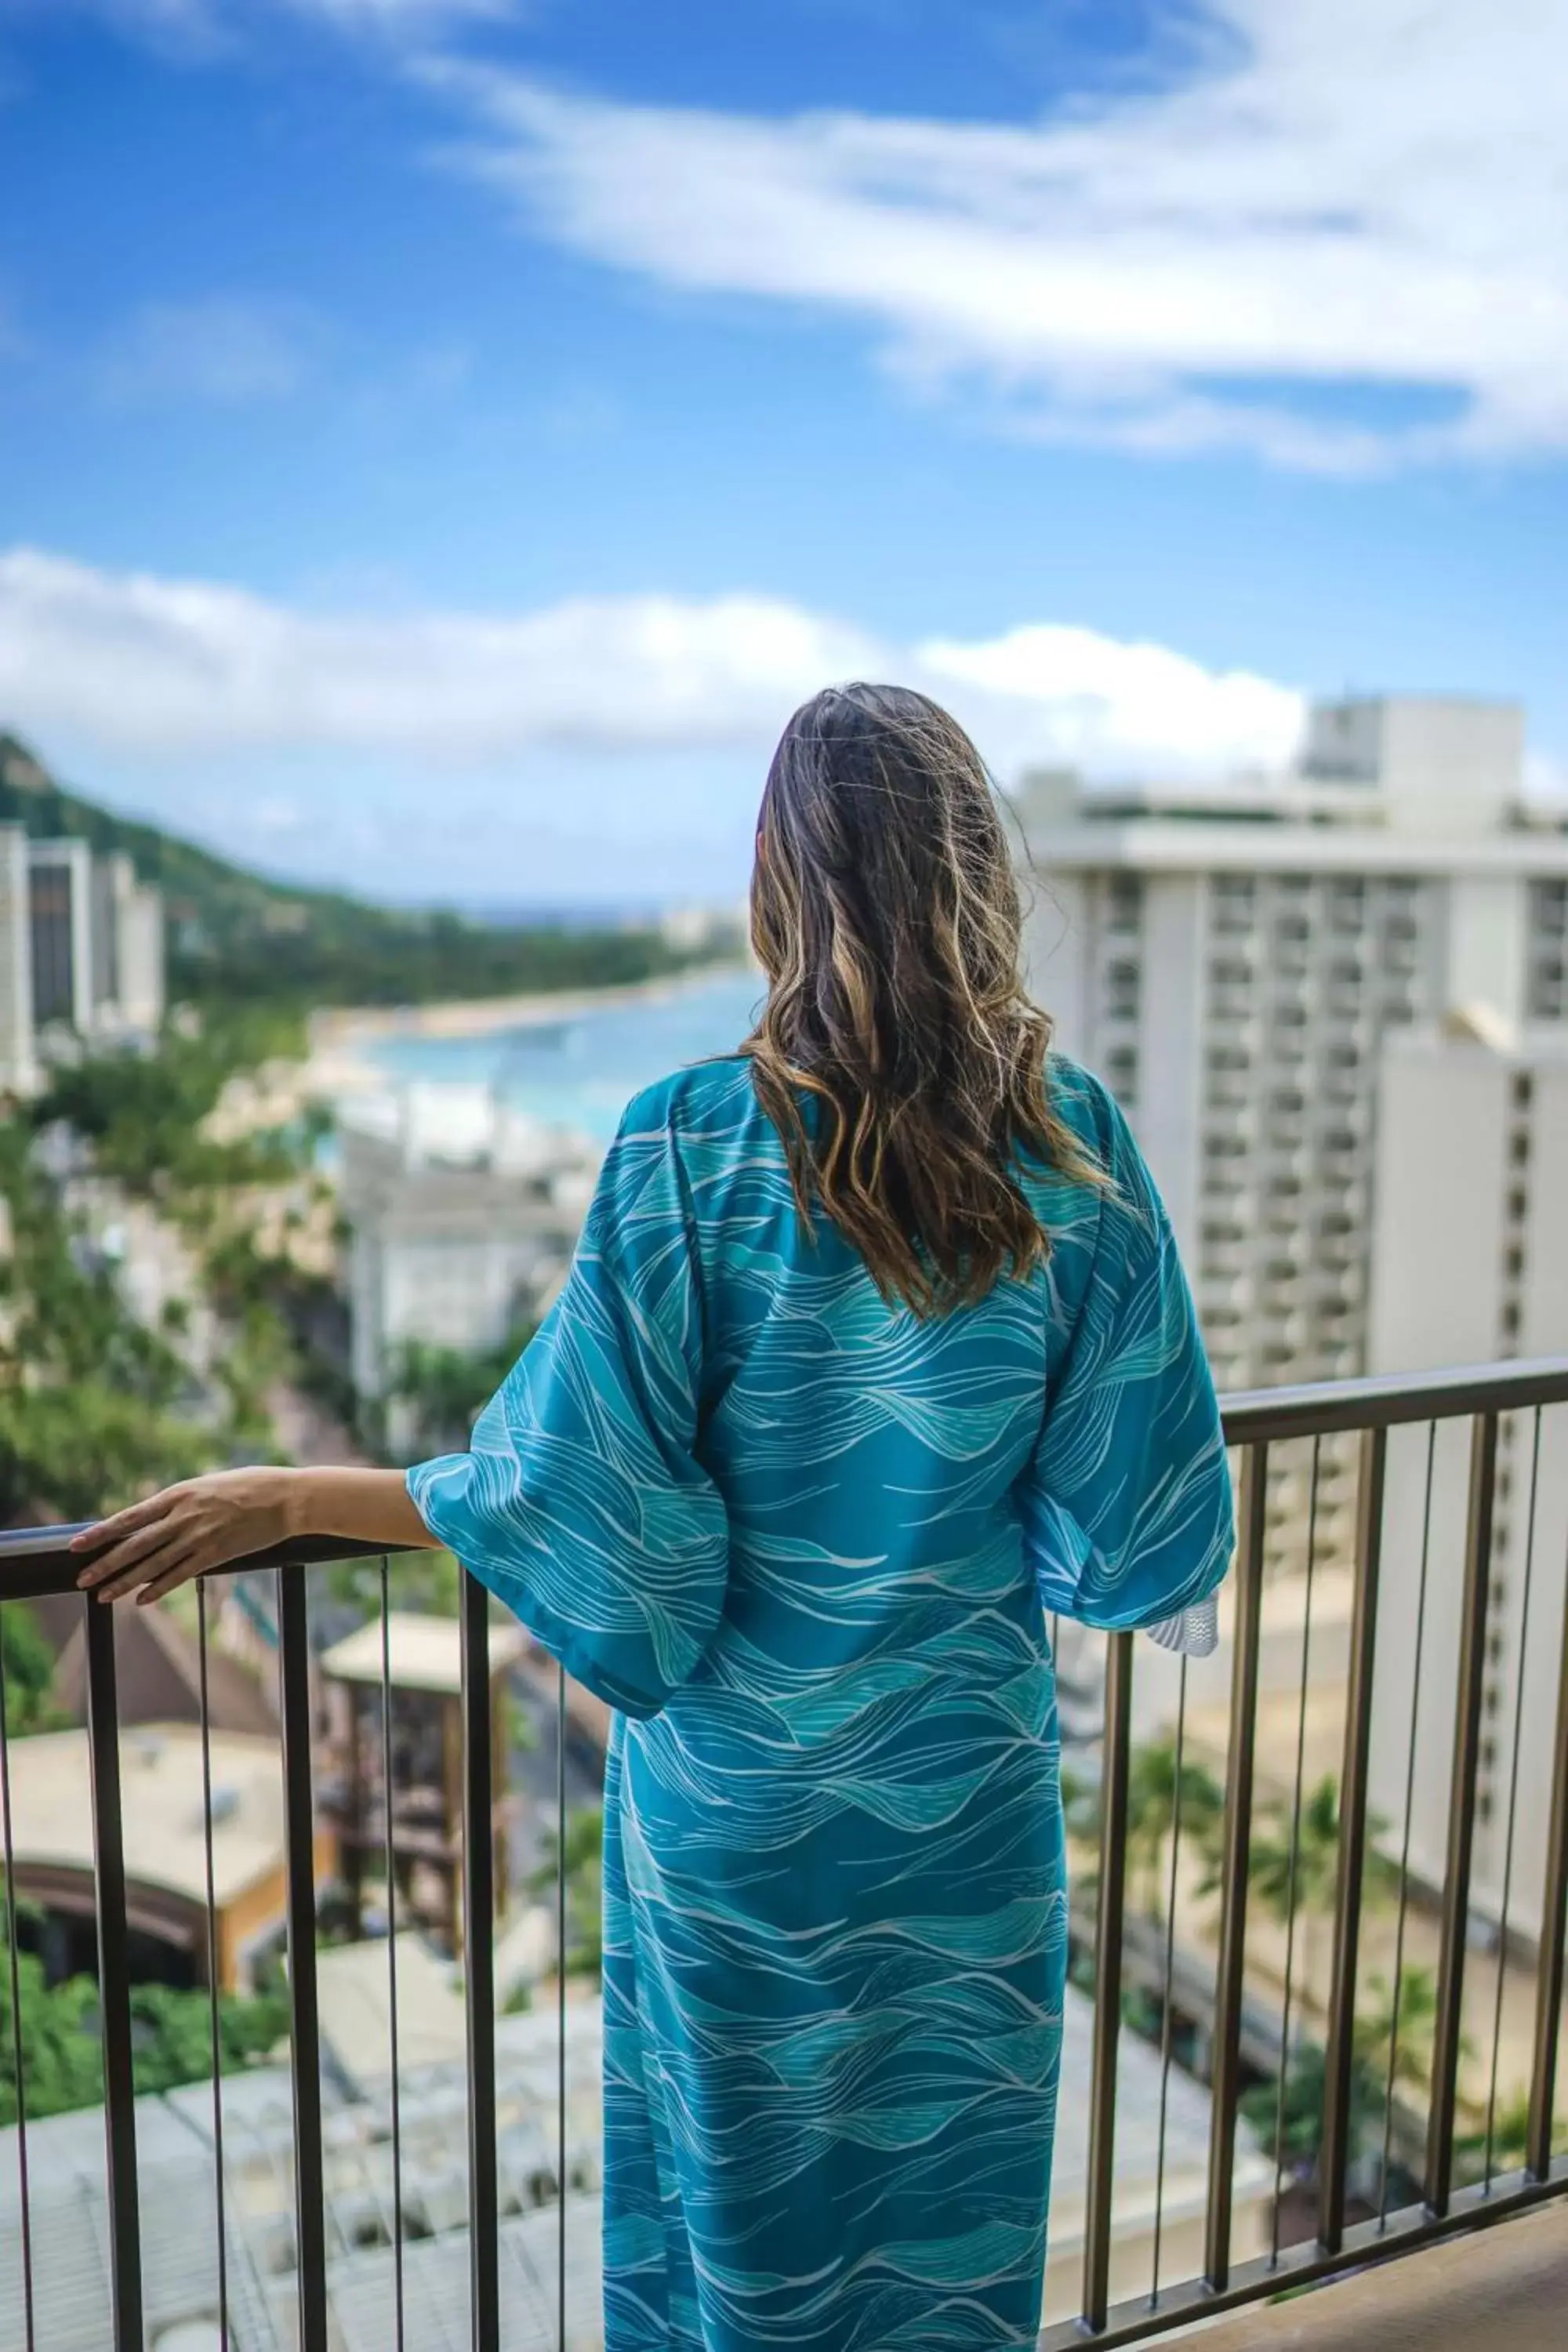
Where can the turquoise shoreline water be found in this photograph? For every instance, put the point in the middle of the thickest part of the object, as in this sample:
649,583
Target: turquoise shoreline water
582,1070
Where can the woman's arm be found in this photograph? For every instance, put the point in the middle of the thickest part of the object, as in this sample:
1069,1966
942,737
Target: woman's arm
228,1515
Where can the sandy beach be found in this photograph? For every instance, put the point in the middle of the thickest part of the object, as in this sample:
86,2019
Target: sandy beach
338,1061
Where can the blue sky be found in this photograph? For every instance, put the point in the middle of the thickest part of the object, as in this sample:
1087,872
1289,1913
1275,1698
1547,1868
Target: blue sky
439,443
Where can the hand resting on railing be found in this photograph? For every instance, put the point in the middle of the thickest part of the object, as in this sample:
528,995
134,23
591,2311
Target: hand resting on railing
226,1515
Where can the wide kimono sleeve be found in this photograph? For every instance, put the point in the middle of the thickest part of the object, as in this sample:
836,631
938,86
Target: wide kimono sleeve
581,1502
1127,1504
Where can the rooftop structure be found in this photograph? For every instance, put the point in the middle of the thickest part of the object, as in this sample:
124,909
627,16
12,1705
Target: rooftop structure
165,1845
158,1673
419,1659
174,2136
424,1652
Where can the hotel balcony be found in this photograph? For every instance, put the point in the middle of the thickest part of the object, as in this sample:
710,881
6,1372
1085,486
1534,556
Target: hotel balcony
1313,2043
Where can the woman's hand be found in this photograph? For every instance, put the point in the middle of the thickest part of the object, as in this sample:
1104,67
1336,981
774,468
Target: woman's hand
204,1523
228,1515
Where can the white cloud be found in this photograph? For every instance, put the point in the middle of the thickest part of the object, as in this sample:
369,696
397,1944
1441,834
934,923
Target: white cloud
226,350
154,664
141,666
1049,692
1336,196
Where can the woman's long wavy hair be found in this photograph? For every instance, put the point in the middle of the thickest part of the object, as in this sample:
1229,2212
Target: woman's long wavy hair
885,911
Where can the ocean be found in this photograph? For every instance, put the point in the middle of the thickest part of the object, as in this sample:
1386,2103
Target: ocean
582,1070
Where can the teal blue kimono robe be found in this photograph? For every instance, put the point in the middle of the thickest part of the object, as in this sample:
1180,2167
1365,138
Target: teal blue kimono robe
805,1545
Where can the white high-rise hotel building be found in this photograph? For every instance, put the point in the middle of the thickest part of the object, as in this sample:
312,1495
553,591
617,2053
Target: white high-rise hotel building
1231,962
1335,1008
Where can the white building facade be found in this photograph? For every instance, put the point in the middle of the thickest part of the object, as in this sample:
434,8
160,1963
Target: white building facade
1231,962
18,1059
463,1218
1469,1263
81,953
62,903
128,954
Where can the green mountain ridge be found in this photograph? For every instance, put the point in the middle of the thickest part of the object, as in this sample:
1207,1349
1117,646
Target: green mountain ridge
236,938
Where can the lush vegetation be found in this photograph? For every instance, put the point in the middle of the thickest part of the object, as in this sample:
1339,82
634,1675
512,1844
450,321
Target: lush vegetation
1391,2043
1293,1878
236,940
143,1115
62,2054
26,1673
447,1387
93,1406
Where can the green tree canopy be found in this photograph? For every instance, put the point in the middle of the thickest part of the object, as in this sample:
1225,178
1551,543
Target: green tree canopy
61,2042
94,1408
447,1387
28,1666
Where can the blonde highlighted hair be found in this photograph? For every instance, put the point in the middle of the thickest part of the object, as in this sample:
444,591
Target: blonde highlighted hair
885,914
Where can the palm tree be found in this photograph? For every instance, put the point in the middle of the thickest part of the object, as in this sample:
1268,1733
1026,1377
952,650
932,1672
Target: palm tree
1294,1863
1160,1796
1404,2029
1151,1792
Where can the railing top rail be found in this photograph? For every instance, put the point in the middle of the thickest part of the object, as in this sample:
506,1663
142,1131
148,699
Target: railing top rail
1390,1399
38,1562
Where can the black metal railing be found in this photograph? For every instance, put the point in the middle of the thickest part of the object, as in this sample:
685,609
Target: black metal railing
37,1564
1418,1587
1478,1405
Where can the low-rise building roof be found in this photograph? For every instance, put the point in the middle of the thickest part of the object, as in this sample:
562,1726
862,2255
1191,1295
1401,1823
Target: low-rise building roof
421,1653
162,1811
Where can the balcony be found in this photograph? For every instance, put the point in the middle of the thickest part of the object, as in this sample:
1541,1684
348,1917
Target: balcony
416,2164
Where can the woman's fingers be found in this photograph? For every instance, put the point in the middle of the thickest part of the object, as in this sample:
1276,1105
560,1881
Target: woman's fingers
206,1522
183,1573
151,1532
124,1523
174,1562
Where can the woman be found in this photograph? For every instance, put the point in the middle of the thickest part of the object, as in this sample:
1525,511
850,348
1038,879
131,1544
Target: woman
875,1351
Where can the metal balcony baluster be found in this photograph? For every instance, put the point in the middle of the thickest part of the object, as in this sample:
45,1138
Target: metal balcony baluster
1446,2049
304,2022
479,1963
1230,1978
1340,2059
391,1864
113,1981
214,2020
12,1961
1110,1911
